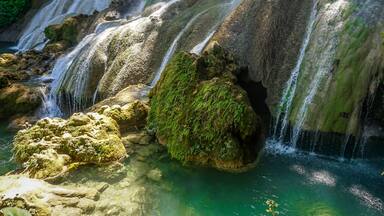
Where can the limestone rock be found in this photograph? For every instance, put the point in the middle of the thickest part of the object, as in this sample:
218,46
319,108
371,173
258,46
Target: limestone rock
131,117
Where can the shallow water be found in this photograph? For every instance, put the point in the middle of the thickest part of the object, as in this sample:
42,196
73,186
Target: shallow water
6,164
300,184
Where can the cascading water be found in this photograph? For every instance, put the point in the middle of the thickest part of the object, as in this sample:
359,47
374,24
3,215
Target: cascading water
173,47
72,88
80,60
285,105
198,48
53,13
313,68
321,69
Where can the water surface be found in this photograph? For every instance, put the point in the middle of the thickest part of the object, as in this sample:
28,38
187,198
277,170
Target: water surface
301,185
6,164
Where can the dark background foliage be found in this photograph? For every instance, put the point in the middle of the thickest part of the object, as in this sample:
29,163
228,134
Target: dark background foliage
11,10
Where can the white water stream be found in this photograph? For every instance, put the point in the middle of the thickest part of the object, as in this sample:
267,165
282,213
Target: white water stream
80,60
54,13
199,47
285,105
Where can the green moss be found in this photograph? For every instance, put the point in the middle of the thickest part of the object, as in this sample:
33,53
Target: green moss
11,10
198,111
66,32
353,77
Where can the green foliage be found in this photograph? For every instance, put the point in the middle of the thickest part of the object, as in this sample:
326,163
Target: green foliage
198,110
11,10
67,31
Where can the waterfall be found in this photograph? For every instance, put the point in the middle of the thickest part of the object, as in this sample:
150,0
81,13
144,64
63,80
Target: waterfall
199,47
173,47
285,104
106,60
71,71
54,13
322,67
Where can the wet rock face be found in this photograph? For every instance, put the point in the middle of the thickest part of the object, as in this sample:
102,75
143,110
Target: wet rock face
202,116
266,36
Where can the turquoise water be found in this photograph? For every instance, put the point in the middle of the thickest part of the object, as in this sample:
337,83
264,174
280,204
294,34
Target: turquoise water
6,164
300,184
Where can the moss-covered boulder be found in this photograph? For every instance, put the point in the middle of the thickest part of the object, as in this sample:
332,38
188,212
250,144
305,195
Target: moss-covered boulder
53,147
67,31
201,115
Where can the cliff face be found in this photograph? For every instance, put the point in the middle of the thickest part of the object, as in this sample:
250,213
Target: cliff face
266,36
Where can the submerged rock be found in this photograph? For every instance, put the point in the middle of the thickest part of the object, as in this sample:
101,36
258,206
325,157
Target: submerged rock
53,147
202,116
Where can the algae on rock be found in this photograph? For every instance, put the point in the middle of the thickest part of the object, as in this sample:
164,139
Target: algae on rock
201,115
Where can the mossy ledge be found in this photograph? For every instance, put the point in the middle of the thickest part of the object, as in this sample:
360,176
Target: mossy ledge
202,116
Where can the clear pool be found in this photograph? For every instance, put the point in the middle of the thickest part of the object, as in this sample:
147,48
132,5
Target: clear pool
300,184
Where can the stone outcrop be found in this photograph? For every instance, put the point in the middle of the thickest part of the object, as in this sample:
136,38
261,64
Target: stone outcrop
202,116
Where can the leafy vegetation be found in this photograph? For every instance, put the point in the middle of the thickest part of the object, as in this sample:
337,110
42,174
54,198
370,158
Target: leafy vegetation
198,111
10,11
